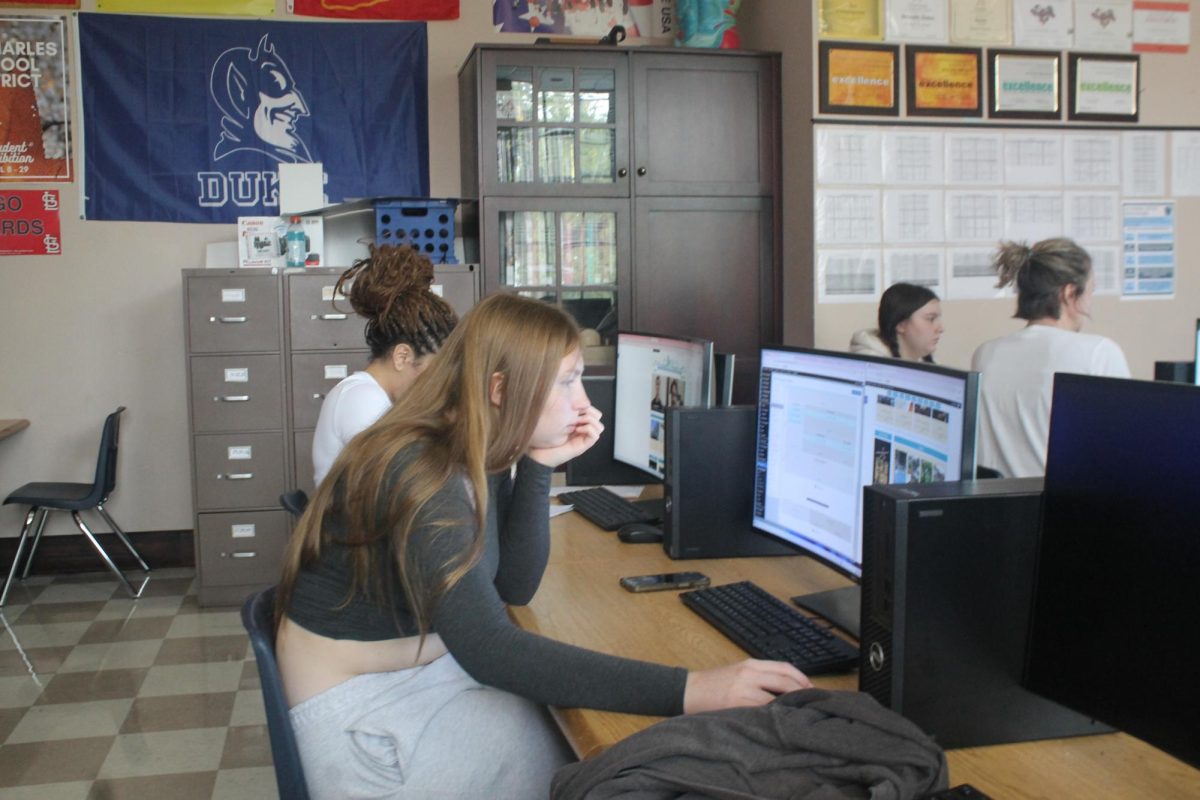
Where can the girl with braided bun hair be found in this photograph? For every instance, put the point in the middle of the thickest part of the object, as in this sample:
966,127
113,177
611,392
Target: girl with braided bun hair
406,324
1054,281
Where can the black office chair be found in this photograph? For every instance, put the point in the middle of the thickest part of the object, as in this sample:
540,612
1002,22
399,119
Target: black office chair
985,473
42,498
258,615
294,501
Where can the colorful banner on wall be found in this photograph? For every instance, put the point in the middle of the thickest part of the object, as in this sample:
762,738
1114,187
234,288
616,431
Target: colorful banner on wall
376,9
54,4
584,17
242,8
35,143
29,223
187,120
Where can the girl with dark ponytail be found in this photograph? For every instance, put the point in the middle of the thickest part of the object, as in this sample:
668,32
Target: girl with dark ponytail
1054,283
406,324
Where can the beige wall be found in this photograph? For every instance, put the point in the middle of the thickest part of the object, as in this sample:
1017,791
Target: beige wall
102,324
1147,330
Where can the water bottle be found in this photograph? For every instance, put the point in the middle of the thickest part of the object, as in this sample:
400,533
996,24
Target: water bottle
296,245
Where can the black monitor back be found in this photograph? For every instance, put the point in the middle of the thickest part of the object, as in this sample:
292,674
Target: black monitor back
1118,593
596,466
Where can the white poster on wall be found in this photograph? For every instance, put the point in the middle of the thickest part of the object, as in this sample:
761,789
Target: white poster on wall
847,154
1185,163
913,157
1092,159
913,216
923,267
848,216
925,21
1044,24
1033,159
1104,26
847,276
1143,163
971,275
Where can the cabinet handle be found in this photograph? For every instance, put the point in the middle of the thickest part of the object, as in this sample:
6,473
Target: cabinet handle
318,396
622,172
232,398
641,170
228,320
240,554
329,316
235,476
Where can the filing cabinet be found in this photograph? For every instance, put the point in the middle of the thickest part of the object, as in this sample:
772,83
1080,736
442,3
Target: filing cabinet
264,347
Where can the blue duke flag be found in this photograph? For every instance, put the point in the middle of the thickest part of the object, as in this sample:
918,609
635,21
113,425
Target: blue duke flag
187,120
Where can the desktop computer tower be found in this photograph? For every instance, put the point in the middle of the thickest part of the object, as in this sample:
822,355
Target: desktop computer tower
708,489
1175,371
947,592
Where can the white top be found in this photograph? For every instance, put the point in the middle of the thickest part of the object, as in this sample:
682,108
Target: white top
1016,385
350,407
867,341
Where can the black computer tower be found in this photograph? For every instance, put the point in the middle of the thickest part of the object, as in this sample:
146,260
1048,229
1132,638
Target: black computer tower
1175,371
947,590
709,485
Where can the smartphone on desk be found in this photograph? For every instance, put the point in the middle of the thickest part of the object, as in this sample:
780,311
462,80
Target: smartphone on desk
664,581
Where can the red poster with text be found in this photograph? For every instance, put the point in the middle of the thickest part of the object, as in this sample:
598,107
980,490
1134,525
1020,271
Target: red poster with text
378,9
29,222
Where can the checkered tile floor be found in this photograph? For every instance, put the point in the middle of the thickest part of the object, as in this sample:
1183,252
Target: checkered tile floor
106,697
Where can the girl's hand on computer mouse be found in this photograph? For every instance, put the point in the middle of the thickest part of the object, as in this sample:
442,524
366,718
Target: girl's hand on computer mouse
746,683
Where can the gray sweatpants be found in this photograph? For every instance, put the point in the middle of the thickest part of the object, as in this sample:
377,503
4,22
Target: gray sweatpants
426,732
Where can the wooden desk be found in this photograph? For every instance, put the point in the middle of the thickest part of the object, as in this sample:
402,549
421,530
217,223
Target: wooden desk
10,426
580,602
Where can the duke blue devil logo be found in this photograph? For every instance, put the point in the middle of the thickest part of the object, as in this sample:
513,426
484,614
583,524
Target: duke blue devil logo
260,103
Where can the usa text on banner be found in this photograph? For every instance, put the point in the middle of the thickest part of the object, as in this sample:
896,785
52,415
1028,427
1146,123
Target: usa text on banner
242,8
377,9
35,142
187,120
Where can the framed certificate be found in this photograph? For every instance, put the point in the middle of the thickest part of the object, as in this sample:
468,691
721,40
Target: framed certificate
944,81
859,78
1103,87
1024,84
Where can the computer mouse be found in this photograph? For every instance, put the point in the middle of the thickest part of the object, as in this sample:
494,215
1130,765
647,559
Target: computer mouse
639,533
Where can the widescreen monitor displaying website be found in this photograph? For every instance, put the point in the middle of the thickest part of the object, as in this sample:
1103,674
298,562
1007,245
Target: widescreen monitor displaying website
831,423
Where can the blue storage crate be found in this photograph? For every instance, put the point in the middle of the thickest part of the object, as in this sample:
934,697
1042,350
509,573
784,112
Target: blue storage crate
423,224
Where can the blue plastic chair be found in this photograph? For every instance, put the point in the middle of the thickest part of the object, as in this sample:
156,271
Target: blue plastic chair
42,498
258,616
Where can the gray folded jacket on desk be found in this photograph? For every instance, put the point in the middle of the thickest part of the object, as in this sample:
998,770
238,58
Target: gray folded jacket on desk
812,744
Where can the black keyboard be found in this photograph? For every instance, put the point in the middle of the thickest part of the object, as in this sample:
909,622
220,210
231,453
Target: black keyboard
766,627
606,509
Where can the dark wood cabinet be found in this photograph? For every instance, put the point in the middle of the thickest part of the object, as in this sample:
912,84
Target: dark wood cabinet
638,188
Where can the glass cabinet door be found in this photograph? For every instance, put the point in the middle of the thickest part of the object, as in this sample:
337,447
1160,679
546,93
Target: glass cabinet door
574,255
554,125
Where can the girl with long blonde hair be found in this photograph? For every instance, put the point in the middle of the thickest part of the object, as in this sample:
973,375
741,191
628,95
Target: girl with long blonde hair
405,675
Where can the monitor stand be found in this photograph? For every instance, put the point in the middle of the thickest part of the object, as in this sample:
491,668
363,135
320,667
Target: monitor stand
841,607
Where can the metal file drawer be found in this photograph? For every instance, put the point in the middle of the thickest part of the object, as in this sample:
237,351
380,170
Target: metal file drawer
313,375
302,450
241,547
239,470
236,392
315,323
232,313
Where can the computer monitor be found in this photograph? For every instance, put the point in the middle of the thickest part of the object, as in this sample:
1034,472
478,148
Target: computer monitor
653,373
1116,605
831,423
